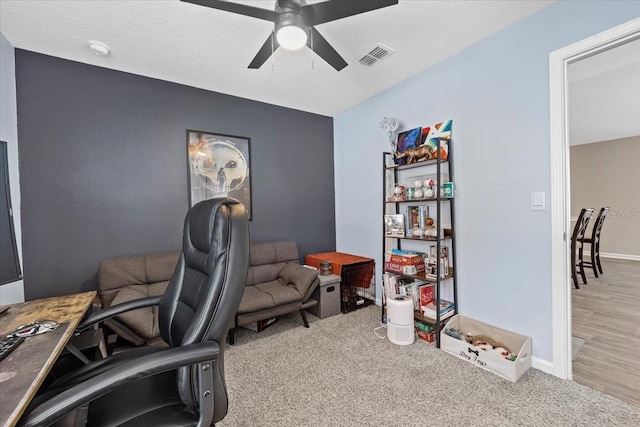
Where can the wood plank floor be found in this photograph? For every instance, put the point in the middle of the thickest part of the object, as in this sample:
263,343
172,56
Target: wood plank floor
606,313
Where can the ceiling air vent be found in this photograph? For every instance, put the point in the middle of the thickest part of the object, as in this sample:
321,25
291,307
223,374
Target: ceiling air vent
375,55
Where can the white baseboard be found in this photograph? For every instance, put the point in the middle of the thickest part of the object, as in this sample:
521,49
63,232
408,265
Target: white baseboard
620,256
541,364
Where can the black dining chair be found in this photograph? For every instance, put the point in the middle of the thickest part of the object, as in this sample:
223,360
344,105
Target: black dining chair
577,246
182,385
594,243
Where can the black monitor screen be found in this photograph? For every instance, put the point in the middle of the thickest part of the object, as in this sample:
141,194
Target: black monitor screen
9,262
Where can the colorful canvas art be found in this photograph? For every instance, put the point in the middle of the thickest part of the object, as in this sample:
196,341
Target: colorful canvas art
430,134
421,143
407,139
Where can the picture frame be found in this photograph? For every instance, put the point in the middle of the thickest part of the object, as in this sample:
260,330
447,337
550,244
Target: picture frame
219,166
394,225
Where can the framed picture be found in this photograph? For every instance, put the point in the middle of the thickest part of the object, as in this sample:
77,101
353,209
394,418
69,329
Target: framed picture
219,166
394,225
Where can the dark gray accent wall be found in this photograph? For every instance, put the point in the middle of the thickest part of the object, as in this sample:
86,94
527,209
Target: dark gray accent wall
103,168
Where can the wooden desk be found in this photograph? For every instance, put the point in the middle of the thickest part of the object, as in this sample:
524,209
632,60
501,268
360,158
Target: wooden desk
23,371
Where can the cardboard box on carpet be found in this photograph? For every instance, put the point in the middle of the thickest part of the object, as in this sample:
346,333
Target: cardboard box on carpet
482,354
260,325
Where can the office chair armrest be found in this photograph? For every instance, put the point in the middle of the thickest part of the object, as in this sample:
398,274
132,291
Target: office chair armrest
114,310
145,366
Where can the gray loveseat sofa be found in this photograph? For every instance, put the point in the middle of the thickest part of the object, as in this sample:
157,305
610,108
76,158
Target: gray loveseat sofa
125,279
276,284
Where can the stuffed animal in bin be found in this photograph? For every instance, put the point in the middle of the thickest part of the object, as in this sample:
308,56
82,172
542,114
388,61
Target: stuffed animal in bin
488,344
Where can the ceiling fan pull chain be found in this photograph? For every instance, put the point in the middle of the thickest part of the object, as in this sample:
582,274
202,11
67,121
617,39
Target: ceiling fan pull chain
313,53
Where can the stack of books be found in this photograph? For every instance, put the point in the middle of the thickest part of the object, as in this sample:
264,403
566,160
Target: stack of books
447,309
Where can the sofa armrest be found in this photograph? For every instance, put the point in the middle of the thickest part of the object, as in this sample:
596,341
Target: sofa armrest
304,279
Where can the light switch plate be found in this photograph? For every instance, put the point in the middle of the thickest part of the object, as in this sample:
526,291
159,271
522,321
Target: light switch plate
538,201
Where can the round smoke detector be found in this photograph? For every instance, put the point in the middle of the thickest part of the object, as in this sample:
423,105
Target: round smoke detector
99,48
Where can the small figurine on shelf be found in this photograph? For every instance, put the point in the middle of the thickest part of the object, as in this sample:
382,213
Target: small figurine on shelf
415,154
428,192
399,194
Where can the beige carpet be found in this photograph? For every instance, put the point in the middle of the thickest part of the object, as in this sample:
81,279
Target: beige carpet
339,373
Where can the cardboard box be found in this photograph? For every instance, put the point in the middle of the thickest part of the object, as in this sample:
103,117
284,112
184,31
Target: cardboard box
427,336
489,360
404,264
421,326
260,325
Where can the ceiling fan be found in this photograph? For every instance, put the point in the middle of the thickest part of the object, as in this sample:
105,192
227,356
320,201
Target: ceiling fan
294,22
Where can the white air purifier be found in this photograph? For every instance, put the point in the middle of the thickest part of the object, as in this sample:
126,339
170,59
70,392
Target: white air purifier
400,328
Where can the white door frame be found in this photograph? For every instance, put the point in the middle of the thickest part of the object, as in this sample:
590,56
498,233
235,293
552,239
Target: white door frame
560,189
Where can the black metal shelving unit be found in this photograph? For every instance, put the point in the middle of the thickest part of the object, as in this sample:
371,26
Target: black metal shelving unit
392,169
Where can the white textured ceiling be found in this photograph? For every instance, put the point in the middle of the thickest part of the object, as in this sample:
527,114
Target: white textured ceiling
210,49
604,95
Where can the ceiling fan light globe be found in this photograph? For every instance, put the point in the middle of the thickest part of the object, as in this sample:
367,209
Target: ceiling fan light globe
291,37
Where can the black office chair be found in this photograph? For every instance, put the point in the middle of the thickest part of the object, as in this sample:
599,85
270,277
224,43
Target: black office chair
577,247
182,385
594,242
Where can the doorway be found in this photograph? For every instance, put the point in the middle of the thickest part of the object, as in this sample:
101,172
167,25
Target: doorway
560,190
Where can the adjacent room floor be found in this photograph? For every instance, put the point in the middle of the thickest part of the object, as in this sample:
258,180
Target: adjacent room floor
606,313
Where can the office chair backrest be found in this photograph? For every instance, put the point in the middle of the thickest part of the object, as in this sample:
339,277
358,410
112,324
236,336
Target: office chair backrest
203,295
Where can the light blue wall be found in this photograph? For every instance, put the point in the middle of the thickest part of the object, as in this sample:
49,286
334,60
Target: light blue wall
12,292
497,93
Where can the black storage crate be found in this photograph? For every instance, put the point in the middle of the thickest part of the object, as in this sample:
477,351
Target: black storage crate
357,287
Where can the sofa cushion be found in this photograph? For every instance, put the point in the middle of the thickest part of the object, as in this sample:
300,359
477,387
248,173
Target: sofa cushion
268,258
263,273
116,273
274,252
160,267
267,295
143,321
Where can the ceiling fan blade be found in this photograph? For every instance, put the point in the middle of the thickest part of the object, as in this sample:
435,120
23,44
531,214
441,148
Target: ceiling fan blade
324,50
256,12
269,46
331,10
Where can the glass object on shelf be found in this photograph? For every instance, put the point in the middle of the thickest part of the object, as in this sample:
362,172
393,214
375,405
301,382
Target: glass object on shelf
429,193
